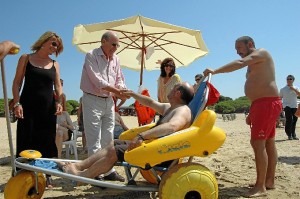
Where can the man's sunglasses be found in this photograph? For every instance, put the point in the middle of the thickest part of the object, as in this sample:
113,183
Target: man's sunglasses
115,45
289,79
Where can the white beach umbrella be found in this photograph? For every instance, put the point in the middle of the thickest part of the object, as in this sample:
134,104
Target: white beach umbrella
143,42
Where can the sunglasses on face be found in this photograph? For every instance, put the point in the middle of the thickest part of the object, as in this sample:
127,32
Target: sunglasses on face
289,79
169,65
54,44
197,80
115,45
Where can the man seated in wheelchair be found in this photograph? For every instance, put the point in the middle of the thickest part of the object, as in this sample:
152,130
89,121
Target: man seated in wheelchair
176,116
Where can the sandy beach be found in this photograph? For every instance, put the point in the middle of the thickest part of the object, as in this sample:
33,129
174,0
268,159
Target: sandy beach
233,165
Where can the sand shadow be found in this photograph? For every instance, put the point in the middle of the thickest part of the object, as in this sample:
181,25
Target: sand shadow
232,192
111,194
5,160
293,160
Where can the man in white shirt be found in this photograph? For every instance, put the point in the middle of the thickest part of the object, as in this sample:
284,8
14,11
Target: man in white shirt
289,95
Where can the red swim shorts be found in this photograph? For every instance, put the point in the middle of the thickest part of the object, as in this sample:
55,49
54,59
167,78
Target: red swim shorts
263,116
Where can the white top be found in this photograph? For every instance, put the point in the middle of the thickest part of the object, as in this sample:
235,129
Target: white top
289,97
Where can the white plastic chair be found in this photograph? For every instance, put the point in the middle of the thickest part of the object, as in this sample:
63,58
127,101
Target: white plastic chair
71,145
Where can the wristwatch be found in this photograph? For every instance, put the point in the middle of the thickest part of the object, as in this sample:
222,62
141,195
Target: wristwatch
17,104
140,137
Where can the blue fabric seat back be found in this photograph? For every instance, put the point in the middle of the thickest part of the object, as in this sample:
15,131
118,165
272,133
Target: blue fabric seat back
198,100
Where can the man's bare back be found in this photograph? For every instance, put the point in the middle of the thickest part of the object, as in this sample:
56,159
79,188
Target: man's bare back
260,76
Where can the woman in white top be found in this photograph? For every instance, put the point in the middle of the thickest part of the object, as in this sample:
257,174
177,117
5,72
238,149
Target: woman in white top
64,130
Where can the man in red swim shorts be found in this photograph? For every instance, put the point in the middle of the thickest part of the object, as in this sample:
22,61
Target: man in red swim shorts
263,112
261,89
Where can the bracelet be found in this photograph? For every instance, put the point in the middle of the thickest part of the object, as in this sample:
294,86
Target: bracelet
140,137
17,104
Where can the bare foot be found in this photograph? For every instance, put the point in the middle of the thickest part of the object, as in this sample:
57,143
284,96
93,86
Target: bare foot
268,187
70,169
255,192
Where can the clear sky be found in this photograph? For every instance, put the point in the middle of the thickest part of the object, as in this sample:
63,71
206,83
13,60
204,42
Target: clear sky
273,24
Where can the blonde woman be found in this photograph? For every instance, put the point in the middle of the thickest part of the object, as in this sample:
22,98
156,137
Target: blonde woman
35,107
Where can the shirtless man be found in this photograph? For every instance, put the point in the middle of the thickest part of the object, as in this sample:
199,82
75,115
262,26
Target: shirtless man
261,89
176,116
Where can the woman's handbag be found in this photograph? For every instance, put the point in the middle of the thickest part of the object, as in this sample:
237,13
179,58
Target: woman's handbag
12,115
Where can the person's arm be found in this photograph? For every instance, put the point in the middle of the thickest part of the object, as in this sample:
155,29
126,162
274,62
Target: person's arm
6,47
121,103
17,82
64,101
79,113
255,57
58,89
147,101
295,89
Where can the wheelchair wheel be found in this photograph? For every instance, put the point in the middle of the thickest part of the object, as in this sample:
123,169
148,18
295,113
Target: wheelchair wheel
188,181
22,186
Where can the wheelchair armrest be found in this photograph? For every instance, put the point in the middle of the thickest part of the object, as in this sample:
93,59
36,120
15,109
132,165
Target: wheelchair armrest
132,133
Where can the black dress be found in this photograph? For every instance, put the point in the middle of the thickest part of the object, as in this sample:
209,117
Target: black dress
38,128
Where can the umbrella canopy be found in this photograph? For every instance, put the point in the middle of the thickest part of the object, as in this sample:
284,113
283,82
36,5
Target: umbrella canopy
143,42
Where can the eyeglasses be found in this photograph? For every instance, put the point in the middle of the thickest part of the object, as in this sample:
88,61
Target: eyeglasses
115,45
169,65
197,80
289,79
54,44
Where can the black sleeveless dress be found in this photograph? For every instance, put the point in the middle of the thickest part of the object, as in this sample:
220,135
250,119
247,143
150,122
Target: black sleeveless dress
38,128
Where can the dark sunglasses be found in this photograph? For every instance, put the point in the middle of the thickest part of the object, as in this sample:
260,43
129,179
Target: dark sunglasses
197,80
169,65
289,79
115,45
54,44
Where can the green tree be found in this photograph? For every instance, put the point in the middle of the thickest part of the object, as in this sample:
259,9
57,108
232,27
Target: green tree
223,98
72,106
225,107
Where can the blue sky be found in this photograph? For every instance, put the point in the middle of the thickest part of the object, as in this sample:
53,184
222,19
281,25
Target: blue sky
273,24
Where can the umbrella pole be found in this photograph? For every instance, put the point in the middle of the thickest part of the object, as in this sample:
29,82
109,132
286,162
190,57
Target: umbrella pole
11,147
143,60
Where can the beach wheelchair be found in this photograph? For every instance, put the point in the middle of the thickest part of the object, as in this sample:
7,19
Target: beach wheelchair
166,163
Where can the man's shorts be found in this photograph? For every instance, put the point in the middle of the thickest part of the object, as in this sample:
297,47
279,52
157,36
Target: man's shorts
120,147
263,116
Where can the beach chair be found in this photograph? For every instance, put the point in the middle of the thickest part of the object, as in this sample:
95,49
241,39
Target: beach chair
166,153
168,160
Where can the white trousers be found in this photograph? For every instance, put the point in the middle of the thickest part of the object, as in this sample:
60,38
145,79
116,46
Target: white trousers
99,121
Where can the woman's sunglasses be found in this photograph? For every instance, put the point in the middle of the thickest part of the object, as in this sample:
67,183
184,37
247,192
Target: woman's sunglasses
54,44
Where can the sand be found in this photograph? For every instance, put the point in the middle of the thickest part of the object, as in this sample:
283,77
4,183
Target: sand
233,165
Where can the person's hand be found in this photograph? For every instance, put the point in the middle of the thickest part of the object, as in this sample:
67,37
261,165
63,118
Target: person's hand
59,109
207,71
19,111
292,88
127,92
136,142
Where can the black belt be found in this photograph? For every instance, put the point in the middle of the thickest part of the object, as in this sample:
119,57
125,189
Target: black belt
96,95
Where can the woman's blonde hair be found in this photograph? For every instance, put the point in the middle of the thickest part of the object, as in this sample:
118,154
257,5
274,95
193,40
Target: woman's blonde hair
46,37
